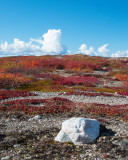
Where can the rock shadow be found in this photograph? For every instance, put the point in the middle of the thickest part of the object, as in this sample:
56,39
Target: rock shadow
2,136
106,132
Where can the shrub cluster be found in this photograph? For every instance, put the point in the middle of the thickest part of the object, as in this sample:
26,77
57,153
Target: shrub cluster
5,94
77,80
8,80
107,110
121,77
53,105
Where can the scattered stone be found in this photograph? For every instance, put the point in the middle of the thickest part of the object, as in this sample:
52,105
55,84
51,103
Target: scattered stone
16,145
36,118
38,139
28,157
79,131
5,158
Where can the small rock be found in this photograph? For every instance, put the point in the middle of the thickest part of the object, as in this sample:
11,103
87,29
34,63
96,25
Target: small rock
16,145
28,157
5,158
38,117
115,93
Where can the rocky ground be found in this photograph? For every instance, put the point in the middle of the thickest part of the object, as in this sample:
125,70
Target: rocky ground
23,138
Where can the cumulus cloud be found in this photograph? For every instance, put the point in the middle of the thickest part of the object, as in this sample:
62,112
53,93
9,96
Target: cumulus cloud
103,50
84,50
120,54
49,43
69,52
18,46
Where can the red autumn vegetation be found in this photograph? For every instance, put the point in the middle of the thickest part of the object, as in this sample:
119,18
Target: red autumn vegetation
58,105
83,73
5,94
8,80
53,105
76,80
121,77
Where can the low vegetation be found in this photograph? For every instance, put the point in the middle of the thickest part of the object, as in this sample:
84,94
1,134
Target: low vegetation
69,75
74,74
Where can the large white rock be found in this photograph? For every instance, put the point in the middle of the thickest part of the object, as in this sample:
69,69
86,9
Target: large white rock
79,131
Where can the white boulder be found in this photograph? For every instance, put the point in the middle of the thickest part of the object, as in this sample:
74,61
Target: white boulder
79,131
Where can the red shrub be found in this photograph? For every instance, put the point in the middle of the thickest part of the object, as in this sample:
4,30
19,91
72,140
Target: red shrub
5,94
121,77
8,80
124,93
116,110
52,105
77,80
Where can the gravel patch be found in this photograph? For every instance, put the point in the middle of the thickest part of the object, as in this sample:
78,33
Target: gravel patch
21,139
112,100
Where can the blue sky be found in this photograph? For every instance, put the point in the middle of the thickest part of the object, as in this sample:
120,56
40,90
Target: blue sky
93,27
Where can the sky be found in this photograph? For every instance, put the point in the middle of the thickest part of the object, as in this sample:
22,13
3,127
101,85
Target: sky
39,27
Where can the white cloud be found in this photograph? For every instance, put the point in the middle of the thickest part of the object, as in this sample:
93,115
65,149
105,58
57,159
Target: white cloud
83,50
50,44
51,41
120,54
69,52
103,50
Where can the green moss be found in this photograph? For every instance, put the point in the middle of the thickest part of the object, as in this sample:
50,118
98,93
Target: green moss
70,143
44,86
36,86
53,142
109,90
